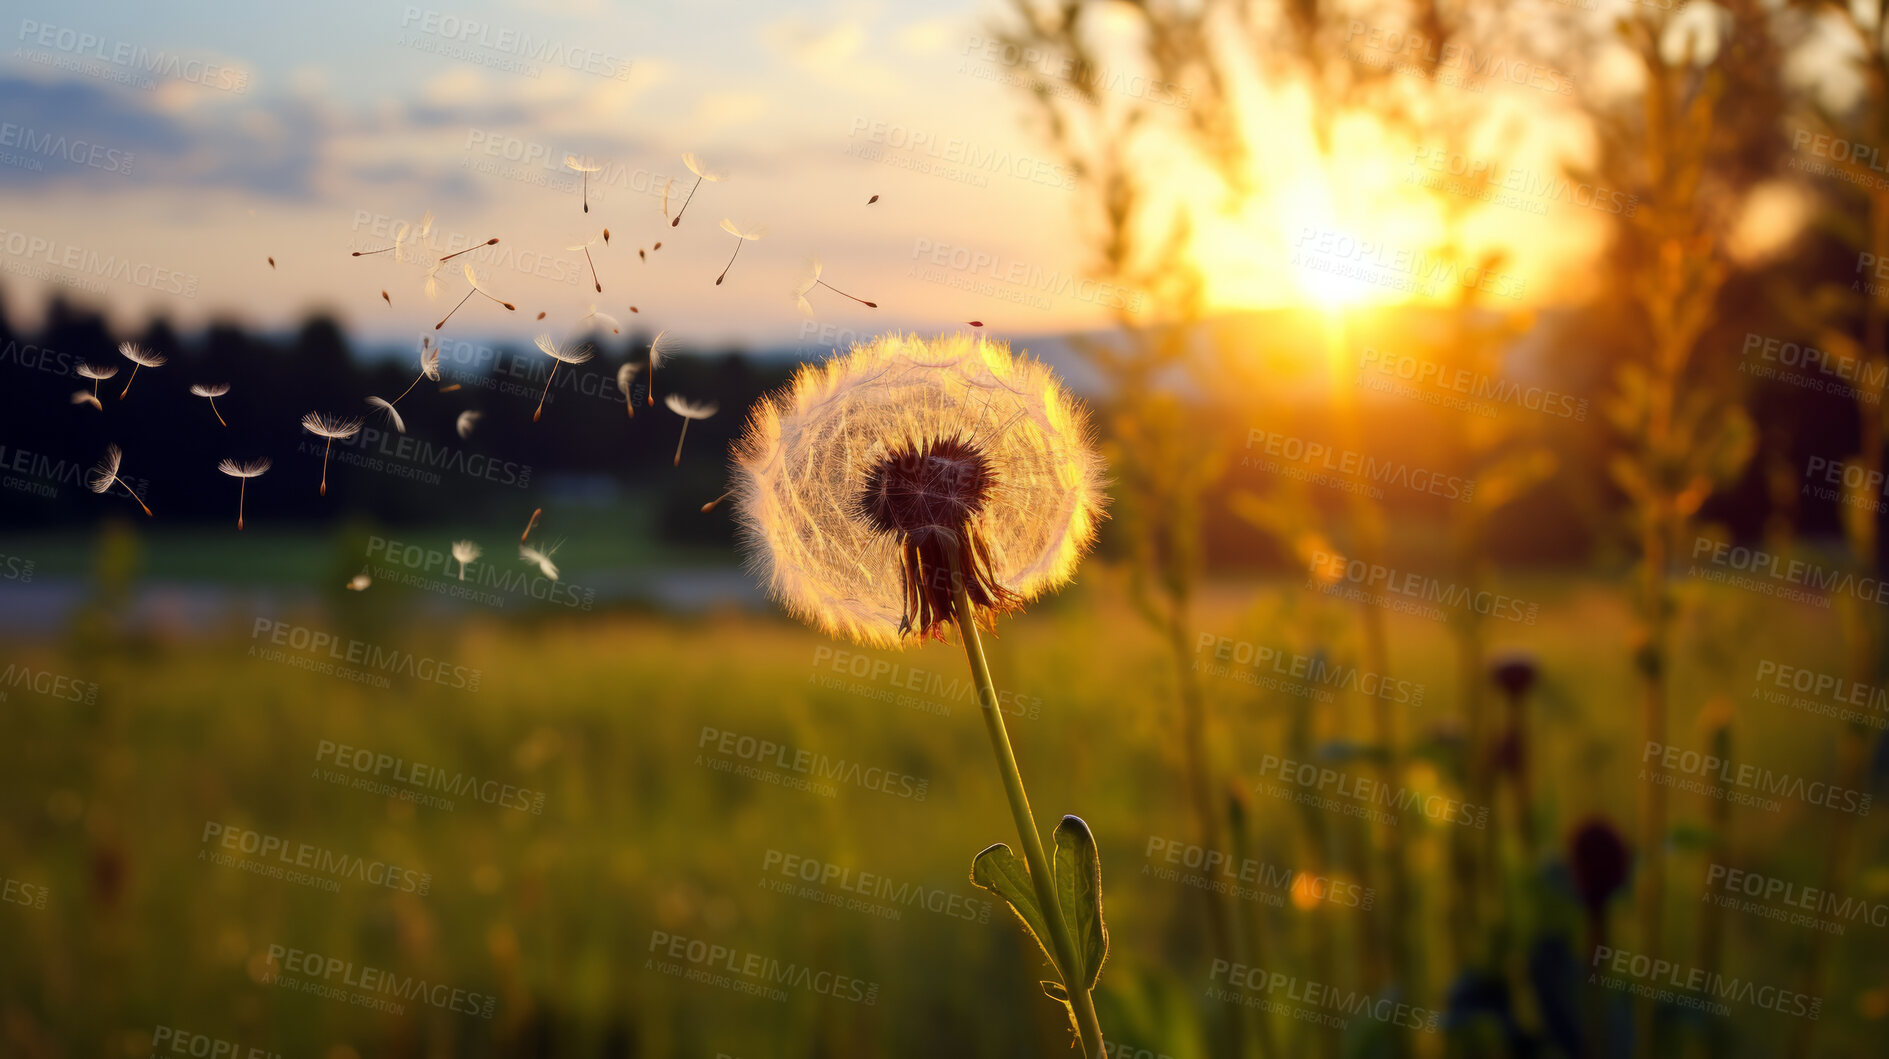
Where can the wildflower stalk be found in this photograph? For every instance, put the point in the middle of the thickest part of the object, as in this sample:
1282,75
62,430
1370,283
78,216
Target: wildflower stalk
1068,966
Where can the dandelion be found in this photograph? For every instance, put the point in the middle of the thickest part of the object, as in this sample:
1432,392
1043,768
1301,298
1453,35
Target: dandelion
359,582
465,552
86,397
659,351
211,391
741,236
810,279
701,173
243,472
476,246
381,404
689,413
616,327
139,358
106,474
910,484
585,247
559,356
407,237
330,427
429,369
585,167
626,375
530,525
466,421
540,559
96,373
473,278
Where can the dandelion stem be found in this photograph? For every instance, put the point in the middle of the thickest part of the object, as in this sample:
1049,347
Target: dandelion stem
685,203
242,493
409,389
219,415
731,262
680,440
1087,1025
547,392
134,375
325,449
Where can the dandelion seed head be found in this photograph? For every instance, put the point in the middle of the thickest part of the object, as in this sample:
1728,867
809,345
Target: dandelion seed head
582,165
210,389
661,348
85,397
756,232
466,551
245,468
393,414
565,354
144,358
879,457
328,426
97,371
106,472
359,582
466,422
701,170
429,362
540,559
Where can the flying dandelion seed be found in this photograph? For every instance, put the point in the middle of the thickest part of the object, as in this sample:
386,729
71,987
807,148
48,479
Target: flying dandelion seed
466,421
810,278
616,327
530,525
139,358
585,247
106,474
606,237
626,375
872,200
359,582
659,350
701,173
689,413
710,506
86,397
540,316
429,369
473,279
741,236
465,552
330,427
408,238
540,559
657,247
386,297
96,373
909,484
643,254
211,391
489,242
634,309
977,323
452,388
585,167
380,404
272,262
559,357
243,472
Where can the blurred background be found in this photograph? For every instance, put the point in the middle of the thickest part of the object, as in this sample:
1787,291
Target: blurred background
1484,657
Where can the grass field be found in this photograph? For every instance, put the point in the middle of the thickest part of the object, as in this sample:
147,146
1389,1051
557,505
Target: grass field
658,821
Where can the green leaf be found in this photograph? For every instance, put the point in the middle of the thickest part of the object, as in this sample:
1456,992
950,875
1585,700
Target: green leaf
999,871
1078,871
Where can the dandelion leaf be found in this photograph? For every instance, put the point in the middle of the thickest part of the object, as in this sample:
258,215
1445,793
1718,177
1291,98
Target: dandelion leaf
1078,871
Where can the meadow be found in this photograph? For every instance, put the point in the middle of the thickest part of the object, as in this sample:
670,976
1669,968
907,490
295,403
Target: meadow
807,812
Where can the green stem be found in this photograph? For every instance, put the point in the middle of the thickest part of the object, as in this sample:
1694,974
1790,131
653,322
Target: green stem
1087,1025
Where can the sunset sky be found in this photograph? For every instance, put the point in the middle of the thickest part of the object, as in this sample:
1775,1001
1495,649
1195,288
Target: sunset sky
195,144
